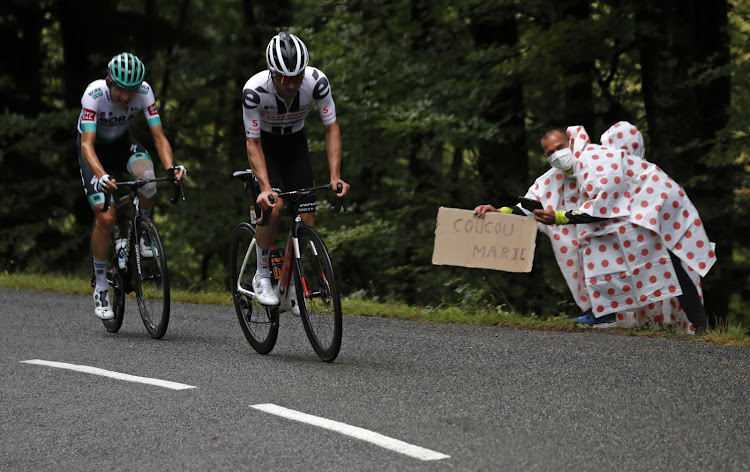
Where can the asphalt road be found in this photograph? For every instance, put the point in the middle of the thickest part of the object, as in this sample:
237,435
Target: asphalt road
470,398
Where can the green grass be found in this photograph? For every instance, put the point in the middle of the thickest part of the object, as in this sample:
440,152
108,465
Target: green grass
487,316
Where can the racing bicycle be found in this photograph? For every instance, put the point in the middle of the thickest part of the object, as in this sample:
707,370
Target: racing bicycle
131,268
306,277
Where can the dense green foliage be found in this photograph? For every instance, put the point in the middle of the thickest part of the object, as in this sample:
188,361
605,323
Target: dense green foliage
440,103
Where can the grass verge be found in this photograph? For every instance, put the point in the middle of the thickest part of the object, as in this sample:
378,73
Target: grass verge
487,316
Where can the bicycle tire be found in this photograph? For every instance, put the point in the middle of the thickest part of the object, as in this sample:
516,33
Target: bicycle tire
151,278
259,323
117,295
317,295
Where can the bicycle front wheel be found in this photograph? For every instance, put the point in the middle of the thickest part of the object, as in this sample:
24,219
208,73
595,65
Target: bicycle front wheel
317,295
151,278
259,323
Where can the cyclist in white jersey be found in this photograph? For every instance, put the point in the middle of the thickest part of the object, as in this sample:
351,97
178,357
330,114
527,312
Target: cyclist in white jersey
275,104
105,142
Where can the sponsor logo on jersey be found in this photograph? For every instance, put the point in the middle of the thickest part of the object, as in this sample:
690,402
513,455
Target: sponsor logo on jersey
144,89
114,120
250,99
88,115
152,110
322,89
96,93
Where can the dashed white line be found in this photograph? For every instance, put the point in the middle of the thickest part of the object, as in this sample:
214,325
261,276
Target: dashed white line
108,373
353,431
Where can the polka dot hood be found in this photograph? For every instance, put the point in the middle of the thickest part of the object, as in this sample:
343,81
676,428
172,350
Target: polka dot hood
625,136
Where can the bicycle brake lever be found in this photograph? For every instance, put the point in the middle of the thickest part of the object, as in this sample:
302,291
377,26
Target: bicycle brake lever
335,208
178,192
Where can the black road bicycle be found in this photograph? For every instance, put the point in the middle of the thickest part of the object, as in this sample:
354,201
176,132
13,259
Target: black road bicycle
142,270
306,277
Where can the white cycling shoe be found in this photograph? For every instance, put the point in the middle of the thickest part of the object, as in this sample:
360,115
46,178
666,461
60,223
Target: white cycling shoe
102,306
147,251
289,303
264,292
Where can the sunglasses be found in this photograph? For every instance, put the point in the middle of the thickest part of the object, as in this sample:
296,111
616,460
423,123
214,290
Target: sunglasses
294,80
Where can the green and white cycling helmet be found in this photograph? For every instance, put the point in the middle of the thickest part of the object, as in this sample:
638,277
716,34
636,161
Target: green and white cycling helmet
126,71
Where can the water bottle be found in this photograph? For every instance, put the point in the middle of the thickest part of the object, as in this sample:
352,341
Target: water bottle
276,263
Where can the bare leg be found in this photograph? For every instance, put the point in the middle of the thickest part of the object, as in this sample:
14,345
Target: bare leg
144,169
100,237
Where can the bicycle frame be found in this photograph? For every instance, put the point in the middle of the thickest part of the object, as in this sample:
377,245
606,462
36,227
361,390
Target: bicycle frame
291,249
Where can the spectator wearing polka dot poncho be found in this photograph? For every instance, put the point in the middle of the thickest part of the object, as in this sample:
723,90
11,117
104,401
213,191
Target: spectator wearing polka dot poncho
642,244
556,190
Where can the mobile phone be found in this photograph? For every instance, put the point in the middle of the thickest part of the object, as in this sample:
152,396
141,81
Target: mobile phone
530,203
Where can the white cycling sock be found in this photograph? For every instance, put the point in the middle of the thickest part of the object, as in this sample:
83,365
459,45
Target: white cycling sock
100,272
263,269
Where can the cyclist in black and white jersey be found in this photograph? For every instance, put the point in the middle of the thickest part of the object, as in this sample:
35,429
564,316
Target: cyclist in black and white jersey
275,104
105,145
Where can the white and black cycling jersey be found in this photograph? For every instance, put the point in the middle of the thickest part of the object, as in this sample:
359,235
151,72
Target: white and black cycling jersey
110,122
263,109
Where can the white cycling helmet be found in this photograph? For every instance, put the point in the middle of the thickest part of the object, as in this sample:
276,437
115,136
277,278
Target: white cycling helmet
286,55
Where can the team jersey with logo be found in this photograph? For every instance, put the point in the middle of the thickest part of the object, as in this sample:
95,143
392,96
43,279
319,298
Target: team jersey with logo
263,109
110,122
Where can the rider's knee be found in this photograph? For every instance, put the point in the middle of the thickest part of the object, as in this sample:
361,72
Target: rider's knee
106,220
148,190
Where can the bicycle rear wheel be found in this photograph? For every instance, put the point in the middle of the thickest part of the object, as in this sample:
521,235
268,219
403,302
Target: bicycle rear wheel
151,278
259,323
317,295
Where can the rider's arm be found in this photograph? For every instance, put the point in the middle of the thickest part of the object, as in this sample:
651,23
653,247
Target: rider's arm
163,148
89,153
257,161
333,149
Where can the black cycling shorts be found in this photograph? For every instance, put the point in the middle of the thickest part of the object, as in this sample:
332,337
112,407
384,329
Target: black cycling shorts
289,166
115,157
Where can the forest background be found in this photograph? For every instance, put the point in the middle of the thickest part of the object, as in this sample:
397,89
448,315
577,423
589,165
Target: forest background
440,103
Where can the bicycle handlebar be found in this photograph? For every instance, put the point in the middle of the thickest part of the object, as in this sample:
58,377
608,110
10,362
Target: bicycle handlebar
179,191
249,180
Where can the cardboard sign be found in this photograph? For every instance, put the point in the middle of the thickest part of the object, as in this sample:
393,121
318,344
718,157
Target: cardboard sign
498,241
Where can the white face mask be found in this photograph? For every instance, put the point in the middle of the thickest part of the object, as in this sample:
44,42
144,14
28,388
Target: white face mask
562,159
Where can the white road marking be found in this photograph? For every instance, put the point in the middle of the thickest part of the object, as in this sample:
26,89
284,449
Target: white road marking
108,373
353,431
